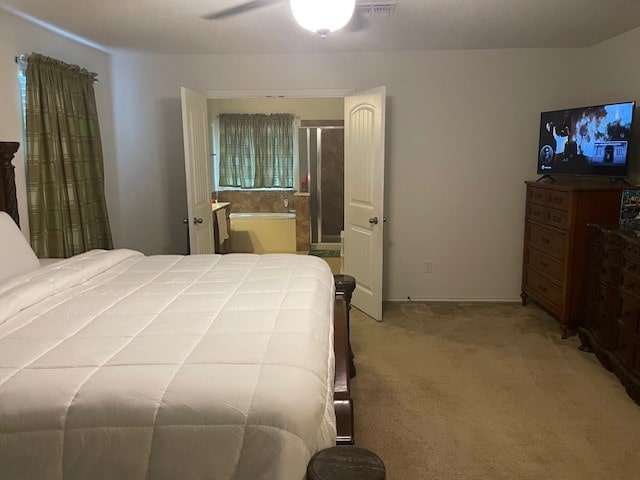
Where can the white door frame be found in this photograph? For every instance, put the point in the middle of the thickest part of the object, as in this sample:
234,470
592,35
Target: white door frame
311,93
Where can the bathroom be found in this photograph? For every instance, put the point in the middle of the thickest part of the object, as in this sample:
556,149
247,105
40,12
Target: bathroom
307,218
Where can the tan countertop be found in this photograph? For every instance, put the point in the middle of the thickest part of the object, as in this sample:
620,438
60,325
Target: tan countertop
218,205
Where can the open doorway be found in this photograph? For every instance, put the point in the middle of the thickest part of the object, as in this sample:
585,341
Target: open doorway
318,169
364,154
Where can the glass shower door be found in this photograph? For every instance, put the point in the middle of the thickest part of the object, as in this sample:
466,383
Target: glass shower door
322,153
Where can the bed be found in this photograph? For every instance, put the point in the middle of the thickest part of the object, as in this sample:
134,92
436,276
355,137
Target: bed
117,365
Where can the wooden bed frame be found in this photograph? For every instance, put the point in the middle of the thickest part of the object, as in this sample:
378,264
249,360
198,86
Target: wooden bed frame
342,401
8,199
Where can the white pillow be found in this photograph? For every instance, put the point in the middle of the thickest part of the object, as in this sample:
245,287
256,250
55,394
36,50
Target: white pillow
16,255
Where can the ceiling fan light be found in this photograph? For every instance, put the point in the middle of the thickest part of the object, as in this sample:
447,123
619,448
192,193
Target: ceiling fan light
322,16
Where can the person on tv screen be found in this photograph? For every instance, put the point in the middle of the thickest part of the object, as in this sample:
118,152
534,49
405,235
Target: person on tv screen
561,136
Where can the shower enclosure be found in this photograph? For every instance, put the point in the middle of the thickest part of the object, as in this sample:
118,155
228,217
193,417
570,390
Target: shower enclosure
321,147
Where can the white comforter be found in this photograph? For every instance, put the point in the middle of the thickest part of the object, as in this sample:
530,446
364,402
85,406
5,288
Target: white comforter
118,366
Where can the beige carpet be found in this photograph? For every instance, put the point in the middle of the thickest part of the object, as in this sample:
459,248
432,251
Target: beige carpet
487,391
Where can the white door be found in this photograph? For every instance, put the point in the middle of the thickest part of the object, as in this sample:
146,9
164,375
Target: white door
197,165
364,196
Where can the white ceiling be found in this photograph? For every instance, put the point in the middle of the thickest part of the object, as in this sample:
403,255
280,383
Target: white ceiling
178,26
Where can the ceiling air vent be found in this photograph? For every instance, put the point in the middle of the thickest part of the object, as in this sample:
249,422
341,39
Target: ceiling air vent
377,9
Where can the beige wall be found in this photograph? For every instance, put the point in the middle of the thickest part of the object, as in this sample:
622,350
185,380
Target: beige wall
461,140
18,36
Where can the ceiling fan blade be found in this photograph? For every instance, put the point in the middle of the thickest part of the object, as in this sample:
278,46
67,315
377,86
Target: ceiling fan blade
239,9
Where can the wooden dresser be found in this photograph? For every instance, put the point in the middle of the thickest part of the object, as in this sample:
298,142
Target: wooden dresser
555,254
611,326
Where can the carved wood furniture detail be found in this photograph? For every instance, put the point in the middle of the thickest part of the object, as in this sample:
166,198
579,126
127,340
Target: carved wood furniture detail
556,242
612,323
8,199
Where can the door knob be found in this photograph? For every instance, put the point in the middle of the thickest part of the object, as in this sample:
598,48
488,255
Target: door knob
197,220
373,220
185,220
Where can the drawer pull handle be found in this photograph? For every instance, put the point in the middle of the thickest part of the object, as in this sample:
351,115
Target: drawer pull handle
544,264
542,288
545,240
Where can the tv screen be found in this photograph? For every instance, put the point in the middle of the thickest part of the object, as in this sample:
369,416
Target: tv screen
586,141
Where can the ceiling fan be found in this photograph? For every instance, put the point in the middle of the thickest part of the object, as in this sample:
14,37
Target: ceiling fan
355,18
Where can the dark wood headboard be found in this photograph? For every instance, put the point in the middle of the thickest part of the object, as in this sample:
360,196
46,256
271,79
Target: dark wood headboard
8,199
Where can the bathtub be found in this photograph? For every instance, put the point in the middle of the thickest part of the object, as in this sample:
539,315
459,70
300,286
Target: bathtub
263,232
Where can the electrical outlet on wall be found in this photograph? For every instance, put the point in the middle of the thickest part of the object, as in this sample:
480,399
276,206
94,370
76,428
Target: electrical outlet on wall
427,266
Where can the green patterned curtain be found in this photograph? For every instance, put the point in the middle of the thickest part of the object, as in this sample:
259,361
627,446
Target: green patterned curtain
65,173
256,150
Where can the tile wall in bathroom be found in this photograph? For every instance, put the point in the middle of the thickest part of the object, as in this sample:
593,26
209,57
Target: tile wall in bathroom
257,201
303,222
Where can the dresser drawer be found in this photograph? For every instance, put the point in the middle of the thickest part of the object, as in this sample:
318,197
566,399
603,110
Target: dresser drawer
602,326
605,259
607,273
624,345
629,313
552,198
630,286
558,218
630,266
550,266
607,300
537,284
549,241
537,195
538,212
631,250
559,200
550,216
610,257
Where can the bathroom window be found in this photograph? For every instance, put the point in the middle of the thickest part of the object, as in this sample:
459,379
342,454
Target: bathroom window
255,151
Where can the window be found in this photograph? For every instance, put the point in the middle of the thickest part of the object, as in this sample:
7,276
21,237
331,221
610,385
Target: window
256,151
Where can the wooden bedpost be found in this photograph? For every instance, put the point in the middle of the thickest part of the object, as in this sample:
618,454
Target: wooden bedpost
342,401
8,199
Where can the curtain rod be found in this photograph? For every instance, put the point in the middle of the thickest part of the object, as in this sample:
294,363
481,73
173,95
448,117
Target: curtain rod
17,59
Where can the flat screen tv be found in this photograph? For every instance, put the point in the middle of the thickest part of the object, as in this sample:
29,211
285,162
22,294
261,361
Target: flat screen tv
586,141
